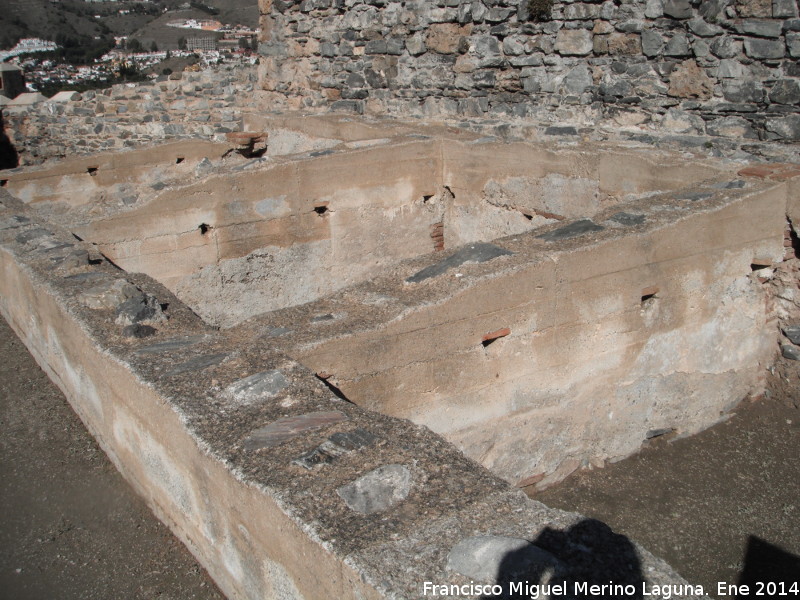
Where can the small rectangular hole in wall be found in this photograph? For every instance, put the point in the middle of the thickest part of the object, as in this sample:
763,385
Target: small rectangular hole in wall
426,198
321,209
91,171
3,182
760,263
204,228
649,293
179,160
492,337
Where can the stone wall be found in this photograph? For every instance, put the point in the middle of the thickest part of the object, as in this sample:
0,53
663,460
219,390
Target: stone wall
205,104
717,67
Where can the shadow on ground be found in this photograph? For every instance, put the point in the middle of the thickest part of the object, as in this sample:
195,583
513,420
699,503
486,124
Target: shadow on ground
766,567
721,506
586,554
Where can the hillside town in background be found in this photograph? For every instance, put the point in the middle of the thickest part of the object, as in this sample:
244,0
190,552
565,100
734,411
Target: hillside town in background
44,69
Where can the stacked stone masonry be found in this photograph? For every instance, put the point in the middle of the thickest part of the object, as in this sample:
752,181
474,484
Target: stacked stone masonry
204,105
718,67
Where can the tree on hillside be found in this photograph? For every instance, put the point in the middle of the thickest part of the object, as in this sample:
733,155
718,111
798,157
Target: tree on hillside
154,47
134,45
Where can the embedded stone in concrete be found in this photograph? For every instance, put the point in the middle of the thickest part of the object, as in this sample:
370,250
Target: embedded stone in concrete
793,333
105,296
561,130
493,558
50,245
73,260
172,344
323,318
137,330
378,490
790,352
335,446
88,278
735,184
354,440
694,196
32,234
286,428
137,308
580,227
479,252
323,454
275,332
197,364
14,222
258,387
627,219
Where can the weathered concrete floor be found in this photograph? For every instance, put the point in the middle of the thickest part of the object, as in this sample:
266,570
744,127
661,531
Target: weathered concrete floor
699,502
71,527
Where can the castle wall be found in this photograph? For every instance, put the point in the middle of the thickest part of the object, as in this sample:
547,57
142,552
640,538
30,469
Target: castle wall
721,67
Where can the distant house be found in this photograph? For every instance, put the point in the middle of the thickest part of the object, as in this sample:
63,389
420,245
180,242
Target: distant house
12,81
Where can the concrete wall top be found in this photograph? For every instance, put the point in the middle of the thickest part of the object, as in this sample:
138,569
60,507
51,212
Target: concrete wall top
254,462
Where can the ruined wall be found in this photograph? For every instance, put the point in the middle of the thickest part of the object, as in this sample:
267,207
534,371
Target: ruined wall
205,104
718,67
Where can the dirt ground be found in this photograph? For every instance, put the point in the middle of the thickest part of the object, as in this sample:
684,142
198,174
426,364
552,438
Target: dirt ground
722,506
71,527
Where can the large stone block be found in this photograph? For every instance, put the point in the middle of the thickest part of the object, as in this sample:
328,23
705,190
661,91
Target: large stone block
690,81
785,91
574,42
678,9
678,45
793,44
787,128
762,28
620,44
731,127
764,49
754,8
445,38
652,43
782,9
